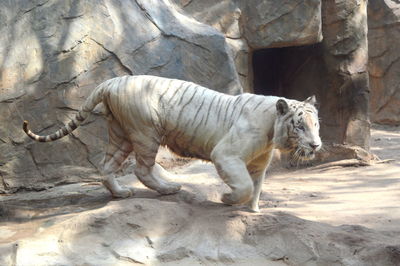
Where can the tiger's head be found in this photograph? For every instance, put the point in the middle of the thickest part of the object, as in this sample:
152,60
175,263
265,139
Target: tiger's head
296,128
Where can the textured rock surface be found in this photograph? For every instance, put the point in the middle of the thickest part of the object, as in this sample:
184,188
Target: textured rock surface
53,53
384,63
344,92
291,23
261,24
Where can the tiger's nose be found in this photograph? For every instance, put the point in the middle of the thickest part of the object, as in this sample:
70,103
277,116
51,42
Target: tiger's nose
314,146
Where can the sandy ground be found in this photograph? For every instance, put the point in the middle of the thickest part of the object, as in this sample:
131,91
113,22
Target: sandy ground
367,196
330,216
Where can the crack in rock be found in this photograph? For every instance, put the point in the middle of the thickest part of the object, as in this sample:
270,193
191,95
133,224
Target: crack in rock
86,149
10,97
78,42
125,67
146,43
34,7
160,66
68,81
3,182
73,17
34,162
168,34
67,108
384,69
124,258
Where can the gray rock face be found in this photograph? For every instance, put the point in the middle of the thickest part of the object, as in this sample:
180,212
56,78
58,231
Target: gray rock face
344,82
384,64
53,53
259,24
291,23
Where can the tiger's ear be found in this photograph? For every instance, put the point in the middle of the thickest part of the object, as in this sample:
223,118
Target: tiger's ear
311,100
282,107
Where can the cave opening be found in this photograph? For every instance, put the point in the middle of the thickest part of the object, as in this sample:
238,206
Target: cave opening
291,72
298,73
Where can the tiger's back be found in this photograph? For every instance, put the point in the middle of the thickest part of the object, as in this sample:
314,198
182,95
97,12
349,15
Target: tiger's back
187,118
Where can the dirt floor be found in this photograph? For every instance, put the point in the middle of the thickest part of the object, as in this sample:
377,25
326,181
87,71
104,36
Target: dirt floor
367,196
326,216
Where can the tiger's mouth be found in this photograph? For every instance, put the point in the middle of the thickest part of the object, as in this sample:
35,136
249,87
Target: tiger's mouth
307,155
301,154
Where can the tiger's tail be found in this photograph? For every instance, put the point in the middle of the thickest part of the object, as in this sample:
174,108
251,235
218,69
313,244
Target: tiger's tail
94,98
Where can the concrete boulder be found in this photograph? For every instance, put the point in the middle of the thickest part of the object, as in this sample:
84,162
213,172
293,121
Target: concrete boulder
384,66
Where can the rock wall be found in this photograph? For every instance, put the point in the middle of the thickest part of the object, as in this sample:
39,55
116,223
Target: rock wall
344,89
384,63
54,52
261,24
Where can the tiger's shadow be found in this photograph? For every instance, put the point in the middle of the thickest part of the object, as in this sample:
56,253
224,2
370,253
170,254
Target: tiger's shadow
76,198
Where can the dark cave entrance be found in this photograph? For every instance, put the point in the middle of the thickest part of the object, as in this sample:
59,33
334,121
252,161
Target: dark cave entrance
291,72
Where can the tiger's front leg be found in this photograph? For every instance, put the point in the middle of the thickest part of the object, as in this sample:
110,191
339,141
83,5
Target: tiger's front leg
234,173
231,156
257,168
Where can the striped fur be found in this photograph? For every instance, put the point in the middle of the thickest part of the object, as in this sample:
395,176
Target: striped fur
67,129
94,99
236,133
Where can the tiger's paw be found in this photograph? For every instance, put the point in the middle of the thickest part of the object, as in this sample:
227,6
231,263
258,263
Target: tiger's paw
123,192
235,198
227,199
171,188
253,208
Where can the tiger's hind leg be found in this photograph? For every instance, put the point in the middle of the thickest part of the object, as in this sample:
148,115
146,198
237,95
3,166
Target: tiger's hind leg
118,150
150,173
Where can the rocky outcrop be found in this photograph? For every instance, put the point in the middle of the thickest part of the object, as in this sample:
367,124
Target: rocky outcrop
261,24
54,52
344,88
291,23
384,63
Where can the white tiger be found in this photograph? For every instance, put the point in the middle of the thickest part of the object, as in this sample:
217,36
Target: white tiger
236,133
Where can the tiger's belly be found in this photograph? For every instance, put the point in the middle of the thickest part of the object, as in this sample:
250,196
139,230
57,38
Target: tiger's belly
188,144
